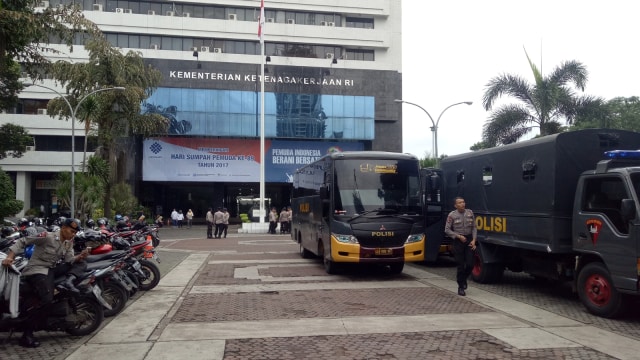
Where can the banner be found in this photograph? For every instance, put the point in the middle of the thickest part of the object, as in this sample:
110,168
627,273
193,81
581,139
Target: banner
230,160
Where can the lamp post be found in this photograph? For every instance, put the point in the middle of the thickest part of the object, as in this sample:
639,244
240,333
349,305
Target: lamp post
73,132
434,124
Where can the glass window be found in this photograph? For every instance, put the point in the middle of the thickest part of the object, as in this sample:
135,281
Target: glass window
113,39
216,112
123,40
135,7
604,195
134,41
198,11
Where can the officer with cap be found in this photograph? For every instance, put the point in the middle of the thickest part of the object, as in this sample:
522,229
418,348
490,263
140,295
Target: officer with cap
53,256
461,227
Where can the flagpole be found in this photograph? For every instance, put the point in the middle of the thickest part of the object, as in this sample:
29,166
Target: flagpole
262,158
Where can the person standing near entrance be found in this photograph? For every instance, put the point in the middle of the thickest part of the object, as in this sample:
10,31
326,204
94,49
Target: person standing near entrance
189,218
218,221
461,227
225,223
273,220
209,219
174,218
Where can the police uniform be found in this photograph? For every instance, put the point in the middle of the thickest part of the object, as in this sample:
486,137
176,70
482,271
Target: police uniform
462,224
49,253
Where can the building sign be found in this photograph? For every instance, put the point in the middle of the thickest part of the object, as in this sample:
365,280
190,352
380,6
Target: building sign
46,184
230,160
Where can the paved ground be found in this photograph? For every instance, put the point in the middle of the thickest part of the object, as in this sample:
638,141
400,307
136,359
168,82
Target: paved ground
251,296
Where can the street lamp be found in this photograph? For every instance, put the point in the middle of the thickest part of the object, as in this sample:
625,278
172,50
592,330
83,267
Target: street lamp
434,127
73,132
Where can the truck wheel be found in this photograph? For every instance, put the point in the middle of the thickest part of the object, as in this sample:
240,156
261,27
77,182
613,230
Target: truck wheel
485,273
597,292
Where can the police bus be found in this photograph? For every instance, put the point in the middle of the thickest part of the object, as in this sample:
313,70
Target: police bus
359,207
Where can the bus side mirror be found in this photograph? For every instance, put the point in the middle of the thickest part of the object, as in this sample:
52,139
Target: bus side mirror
628,209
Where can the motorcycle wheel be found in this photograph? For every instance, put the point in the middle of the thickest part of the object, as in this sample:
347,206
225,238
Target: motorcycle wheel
116,296
133,279
87,314
152,275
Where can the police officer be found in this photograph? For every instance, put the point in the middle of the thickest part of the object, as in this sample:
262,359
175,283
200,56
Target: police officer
461,227
53,256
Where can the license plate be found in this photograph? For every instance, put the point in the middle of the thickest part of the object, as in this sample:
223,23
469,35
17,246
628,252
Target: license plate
383,251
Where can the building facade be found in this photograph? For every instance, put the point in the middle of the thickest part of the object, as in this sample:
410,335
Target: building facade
332,70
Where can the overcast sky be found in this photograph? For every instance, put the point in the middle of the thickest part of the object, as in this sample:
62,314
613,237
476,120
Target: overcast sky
451,49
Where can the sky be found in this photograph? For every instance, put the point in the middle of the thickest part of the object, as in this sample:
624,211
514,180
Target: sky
451,49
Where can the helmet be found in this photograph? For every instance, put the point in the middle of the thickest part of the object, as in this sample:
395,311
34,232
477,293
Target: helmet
121,224
72,223
24,223
118,217
91,224
6,231
102,222
120,243
31,231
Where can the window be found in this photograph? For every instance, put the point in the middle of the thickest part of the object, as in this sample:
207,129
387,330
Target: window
359,23
487,175
604,195
529,168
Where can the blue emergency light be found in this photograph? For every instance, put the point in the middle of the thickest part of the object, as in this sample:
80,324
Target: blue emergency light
622,154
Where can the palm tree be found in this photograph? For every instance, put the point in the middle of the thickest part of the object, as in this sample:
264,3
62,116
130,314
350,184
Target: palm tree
118,116
545,104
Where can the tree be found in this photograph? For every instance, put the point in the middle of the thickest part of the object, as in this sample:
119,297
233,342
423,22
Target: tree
428,161
15,140
8,203
25,35
479,146
546,104
116,113
617,113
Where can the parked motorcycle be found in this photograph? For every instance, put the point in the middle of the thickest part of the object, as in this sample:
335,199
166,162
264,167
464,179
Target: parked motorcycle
75,313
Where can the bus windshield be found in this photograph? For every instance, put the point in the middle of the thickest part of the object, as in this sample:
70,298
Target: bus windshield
368,185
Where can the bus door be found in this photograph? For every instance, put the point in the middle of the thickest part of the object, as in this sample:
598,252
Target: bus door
432,186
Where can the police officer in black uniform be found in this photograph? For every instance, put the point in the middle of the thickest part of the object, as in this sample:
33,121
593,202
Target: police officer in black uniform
461,227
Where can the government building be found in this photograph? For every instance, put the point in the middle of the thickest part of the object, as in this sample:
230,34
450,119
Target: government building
332,70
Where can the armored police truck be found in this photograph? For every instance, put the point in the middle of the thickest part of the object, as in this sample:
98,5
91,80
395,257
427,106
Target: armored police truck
563,207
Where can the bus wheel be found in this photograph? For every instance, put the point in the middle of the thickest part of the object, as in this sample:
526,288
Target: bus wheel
306,254
396,268
330,266
597,292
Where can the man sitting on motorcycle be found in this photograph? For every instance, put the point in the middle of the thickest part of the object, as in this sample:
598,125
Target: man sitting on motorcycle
53,256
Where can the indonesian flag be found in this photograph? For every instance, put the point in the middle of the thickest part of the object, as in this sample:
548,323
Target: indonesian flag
261,22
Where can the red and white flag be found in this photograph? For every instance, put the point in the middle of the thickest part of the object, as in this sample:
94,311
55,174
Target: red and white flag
261,22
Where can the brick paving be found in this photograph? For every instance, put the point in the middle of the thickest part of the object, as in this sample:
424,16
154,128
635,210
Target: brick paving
321,304
467,344
445,345
555,297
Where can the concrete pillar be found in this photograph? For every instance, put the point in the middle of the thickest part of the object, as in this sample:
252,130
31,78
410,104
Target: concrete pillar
23,190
